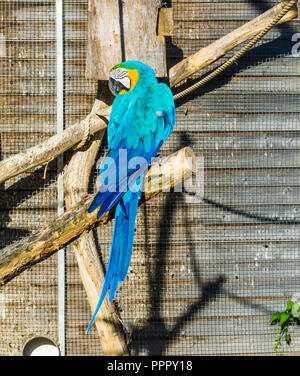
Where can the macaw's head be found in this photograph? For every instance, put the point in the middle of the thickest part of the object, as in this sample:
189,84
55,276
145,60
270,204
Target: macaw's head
125,76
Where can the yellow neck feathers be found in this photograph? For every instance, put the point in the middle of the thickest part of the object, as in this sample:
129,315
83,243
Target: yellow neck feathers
133,74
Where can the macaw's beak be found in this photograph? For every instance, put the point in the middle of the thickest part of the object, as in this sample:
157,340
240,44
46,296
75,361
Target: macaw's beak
115,86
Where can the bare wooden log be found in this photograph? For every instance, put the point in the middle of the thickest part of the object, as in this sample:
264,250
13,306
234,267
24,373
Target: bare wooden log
220,47
57,144
76,181
41,244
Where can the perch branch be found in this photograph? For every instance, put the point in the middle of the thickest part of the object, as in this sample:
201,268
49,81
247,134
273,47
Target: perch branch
41,244
57,144
76,181
220,47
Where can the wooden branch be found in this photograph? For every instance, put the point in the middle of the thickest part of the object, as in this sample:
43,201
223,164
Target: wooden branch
107,322
54,146
220,47
57,144
41,244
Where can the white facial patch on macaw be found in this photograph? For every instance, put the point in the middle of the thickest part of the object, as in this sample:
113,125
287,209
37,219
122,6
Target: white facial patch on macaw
118,81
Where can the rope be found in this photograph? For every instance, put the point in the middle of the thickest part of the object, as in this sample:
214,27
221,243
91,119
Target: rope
46,168
86,135
87,132
234,58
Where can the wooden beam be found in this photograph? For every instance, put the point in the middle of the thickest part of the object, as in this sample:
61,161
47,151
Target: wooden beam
41,244
220,47
123,30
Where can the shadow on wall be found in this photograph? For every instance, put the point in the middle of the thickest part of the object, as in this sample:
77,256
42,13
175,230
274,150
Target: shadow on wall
155,337
17,193
174,53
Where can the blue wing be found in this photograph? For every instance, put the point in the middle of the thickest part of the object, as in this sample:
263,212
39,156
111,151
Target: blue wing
138,125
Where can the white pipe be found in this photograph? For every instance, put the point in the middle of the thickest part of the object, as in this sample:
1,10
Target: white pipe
60,161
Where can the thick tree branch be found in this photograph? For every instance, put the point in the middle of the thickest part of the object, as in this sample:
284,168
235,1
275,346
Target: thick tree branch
41,244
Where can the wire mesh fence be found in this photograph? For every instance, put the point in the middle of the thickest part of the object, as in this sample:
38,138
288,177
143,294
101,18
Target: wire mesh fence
205,276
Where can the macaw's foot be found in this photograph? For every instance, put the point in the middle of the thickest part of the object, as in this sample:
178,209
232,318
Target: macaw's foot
158,159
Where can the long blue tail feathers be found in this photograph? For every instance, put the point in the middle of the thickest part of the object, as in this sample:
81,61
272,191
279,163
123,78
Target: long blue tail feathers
121,247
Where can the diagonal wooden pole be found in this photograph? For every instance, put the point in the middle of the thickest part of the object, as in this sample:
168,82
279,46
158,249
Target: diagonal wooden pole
76,182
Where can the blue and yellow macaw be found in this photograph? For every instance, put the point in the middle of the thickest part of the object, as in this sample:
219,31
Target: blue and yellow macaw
142,118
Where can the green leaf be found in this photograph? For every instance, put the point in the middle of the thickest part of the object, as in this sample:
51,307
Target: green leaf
289,305
284,317
296,310
275,317
288,338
